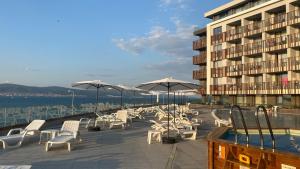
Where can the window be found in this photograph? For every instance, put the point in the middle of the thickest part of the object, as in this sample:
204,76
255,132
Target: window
217,30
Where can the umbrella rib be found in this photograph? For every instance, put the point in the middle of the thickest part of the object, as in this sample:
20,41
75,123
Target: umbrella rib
152,87
181,84
114,88
159,84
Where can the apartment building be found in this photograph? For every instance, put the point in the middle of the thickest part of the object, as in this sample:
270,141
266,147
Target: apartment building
253,53
200,59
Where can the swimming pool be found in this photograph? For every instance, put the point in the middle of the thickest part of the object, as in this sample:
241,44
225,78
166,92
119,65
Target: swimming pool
224,153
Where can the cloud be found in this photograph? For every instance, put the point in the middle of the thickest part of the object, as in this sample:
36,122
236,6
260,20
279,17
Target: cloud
97,75
30,69
177,43
177,3
179,68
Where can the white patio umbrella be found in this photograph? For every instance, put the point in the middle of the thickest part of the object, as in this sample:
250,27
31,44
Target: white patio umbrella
168,84
94,84
129,88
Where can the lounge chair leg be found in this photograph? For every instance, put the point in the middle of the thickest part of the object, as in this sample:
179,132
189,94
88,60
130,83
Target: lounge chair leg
47,147
69,147
3,144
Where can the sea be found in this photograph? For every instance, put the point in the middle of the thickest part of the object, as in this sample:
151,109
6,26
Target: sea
19,110
31,101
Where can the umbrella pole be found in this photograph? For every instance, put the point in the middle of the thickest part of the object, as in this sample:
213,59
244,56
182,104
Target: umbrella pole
174,107
121,99
134,99
168,109
97,99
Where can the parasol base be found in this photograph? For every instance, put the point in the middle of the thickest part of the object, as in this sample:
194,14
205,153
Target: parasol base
169,140
97,128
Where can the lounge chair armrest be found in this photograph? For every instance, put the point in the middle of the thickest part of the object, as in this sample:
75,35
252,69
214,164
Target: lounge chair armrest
67,133
29,131
14,131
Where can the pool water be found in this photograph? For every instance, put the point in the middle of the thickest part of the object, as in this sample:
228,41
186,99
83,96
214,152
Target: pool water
277,120
283,142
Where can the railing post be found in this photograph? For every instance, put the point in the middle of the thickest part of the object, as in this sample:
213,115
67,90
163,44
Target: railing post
5,116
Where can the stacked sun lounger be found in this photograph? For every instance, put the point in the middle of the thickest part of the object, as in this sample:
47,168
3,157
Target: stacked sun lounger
180,126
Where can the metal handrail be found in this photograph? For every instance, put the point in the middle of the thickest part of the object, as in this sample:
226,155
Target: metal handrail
234,125
268,123
259,129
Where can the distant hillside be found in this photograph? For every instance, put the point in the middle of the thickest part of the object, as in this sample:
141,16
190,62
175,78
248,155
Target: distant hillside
55,91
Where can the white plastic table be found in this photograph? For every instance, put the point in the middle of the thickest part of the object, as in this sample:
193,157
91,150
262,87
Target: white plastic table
51,133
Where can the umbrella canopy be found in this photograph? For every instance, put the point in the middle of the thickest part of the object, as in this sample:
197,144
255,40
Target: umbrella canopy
168,84
94,84
128,88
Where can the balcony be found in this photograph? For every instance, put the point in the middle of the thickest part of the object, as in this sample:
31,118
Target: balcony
202,90
218,38
273,66
253,29
290,87
253,88
275,44
217,55
199,74
253,68
234,52
217,89
200,59
293,17
199,44
253,48
234,34
294,64
294,40
218,72
234,70
233,89
274,23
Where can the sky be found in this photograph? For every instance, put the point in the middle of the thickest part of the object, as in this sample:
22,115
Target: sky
58,42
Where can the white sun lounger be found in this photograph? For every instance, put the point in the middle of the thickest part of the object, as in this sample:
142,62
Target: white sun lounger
120,121
17,139
67,135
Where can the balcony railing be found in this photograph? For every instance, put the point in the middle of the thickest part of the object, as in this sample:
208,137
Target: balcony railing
234,70
200,59
202,90
275,44
253,48
218,38
218,72
218,55
289,87
294,40
217,89
293,17
234,34
276,22
252,29
252,68
199,44
199,74
234,52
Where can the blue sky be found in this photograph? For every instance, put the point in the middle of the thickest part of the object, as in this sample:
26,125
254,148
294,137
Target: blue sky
58,42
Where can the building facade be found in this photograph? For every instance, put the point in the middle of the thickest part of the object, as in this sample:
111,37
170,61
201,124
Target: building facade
253,56
200,59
